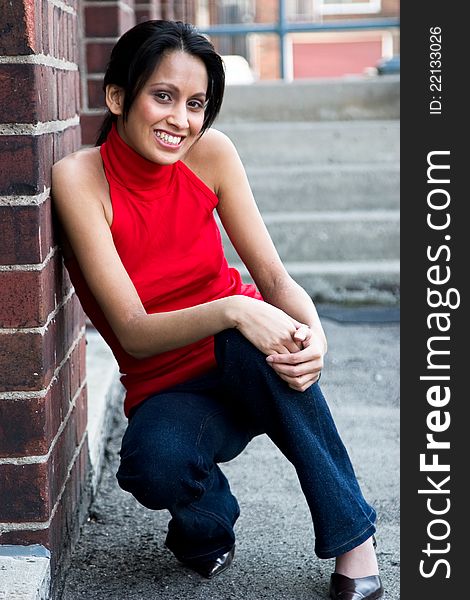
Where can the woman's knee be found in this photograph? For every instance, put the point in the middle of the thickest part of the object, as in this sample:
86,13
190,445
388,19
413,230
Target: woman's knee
159,475
234,350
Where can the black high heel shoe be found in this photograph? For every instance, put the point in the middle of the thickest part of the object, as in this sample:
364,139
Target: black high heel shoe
359,588
211,568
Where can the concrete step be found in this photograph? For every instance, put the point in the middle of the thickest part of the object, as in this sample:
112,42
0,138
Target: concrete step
304,143
350,282
341,99
354,235
369,185
329,194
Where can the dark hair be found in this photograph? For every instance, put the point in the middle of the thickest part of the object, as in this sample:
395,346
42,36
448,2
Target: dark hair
139,51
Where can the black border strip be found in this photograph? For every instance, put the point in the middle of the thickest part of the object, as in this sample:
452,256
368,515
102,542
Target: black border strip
433,125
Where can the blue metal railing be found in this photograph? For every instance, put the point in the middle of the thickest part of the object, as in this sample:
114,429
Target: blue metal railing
283,27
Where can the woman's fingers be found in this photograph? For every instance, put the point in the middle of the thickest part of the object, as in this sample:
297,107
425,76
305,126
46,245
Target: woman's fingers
306,355
302,333
301,383
301,369
311,367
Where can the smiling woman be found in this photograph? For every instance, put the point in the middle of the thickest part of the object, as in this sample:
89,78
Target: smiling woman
208,362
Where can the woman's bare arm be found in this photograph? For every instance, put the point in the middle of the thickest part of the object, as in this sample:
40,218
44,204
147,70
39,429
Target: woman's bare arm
244,225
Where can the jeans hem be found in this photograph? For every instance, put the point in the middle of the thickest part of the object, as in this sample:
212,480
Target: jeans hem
212,554
349,545
195,560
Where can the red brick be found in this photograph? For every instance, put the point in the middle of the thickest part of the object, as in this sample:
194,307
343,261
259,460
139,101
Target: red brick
108,21
23,427
82,358
25,495
66,142
19,166
69,322
60,398
62,279
68,83
74,373
46,19
90,127
21,304
30,491
64,23
19,84
20,242
15,37
97,56
25,165
28,297
24,364
95,94
102,21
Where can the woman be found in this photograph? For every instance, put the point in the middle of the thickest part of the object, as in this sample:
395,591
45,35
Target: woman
208,362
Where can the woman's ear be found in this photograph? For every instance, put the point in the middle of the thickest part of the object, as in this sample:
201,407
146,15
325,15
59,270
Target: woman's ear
115,99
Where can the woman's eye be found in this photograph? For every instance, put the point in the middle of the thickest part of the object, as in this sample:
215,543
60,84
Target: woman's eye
163,96
197,104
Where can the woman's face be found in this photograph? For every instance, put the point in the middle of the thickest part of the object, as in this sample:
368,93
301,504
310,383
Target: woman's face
167,115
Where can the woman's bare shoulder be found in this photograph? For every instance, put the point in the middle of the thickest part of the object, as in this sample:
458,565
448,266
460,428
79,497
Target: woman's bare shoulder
210,156
80,178
212,144
82,166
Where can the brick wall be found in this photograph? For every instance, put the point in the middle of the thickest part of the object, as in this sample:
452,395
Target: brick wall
103,22
43,445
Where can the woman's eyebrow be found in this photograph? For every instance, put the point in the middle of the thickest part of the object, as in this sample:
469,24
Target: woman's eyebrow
175,88
166,84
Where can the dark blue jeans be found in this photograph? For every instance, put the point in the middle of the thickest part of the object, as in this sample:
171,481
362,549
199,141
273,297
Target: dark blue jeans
175,439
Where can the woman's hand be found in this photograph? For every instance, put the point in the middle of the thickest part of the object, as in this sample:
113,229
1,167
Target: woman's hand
301,368
268,328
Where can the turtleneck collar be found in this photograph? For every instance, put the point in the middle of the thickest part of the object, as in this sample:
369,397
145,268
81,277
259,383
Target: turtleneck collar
131,170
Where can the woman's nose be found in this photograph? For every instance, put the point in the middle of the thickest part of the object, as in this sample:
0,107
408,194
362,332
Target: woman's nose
178,116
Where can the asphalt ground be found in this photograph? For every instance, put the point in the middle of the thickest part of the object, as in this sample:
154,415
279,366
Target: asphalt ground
121,553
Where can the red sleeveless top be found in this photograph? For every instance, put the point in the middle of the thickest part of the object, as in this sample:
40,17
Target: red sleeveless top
169,243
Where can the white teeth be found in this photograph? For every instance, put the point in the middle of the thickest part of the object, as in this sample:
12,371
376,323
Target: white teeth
170,139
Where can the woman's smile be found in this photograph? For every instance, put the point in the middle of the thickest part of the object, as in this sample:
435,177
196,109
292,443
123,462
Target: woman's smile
168,140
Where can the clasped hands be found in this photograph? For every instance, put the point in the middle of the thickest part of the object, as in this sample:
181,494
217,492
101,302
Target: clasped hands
292,349
301,366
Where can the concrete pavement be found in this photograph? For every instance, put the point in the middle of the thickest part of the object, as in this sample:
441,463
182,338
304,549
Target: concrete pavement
121,556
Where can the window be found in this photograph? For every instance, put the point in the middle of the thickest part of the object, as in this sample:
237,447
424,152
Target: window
301,10
310,10
348,7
